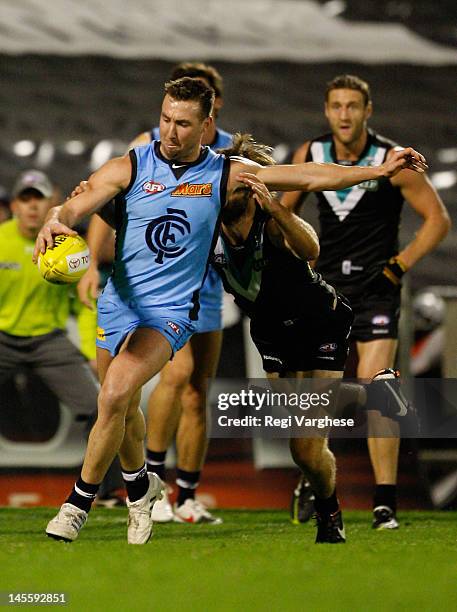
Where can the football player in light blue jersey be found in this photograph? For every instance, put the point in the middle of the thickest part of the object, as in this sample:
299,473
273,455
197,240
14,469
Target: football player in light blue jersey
142,320
177,404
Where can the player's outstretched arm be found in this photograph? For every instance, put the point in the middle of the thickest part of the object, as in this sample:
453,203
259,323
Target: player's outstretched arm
313,176
103,185
285,229
294,199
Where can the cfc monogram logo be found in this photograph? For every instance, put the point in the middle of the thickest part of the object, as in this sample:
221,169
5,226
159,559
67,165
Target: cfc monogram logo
162,234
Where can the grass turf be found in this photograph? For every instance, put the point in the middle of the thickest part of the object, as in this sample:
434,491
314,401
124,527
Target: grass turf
254,561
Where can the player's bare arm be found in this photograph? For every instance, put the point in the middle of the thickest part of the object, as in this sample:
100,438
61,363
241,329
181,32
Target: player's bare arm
99,234
420,194
285,229
103,185
294,199
312,176
100,228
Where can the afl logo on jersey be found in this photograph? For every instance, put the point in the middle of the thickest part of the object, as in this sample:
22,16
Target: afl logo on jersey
163,234
152,187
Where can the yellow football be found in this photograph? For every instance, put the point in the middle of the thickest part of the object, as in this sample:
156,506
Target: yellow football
65,262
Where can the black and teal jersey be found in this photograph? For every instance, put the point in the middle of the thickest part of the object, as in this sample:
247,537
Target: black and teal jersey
268,283
358,226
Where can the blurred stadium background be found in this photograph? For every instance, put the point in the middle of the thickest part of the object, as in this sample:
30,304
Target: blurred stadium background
79,80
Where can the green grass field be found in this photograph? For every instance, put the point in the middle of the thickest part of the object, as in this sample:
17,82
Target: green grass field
254,561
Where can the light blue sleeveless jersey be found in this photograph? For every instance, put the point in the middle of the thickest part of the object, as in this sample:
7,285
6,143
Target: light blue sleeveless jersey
166,228
210,315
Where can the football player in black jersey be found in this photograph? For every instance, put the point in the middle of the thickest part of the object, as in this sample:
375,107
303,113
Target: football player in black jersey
262,257
360,253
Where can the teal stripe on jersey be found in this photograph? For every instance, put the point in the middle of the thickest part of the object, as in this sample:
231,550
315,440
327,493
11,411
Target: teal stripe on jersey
367,160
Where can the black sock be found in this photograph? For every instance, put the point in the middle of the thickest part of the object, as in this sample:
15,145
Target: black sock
386,495
187,483
328,505
136,483
155,462
82,495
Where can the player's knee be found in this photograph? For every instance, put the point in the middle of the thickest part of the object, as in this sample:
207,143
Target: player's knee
309,453
113,400
176,375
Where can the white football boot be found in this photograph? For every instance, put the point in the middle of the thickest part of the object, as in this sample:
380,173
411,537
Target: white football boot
193,511
384,518
67,524
162,511
139,523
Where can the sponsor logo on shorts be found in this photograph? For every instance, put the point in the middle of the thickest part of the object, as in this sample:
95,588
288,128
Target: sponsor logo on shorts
329,357
193,190
380,320
153,187
328,347
101,334
174,327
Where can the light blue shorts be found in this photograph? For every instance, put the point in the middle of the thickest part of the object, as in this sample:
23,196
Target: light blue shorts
117,318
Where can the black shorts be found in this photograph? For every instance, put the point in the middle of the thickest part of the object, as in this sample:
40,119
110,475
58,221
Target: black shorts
317,340
375,316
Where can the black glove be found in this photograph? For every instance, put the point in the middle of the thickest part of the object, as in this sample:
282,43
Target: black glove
388,278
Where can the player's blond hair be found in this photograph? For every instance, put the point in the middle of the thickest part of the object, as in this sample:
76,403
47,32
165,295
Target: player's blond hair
245,146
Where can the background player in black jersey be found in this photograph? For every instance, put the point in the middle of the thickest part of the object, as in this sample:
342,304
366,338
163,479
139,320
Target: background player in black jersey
360,252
